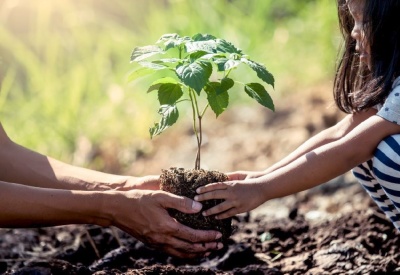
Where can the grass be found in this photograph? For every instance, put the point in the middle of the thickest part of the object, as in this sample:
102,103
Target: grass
64,63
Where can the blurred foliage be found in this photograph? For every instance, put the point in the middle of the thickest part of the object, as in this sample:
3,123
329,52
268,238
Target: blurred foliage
63,63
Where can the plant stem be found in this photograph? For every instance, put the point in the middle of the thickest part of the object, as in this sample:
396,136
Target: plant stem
195,110
204,110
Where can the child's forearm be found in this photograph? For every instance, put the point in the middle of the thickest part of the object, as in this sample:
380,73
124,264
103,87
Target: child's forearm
305,172
328,161
320,139
324,137
25,206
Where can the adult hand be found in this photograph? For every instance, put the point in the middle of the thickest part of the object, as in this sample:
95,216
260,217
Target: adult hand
151,182
143,214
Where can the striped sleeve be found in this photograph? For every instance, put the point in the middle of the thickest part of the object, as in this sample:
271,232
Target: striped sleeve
391,108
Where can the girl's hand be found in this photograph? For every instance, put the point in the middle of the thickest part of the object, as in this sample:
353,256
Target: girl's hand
244,175
240,196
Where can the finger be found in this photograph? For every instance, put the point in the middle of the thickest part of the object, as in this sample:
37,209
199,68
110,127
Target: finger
230,213
182,254
211,187
216,194
194,247
183,204
195,236
239,175
220,208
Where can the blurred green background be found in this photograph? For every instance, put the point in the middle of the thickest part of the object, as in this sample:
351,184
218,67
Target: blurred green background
63,63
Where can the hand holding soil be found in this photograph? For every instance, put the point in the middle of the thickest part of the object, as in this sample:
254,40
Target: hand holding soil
143,214
237,196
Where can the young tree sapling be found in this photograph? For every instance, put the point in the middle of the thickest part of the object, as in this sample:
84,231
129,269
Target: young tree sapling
195,67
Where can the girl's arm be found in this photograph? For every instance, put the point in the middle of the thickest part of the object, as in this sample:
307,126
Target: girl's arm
326,136
21,165
313,168
334,133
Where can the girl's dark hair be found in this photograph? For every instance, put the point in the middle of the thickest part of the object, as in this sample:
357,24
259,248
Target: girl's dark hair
357,88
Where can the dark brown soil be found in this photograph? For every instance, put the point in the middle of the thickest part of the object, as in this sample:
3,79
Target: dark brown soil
363,242
331,229
184,182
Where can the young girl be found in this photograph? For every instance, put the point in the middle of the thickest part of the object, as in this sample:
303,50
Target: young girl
367,87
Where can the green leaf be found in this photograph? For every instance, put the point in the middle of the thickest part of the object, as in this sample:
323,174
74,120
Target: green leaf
227,83
208,46
152,65
196,55
213,56
169,115
156,84
203,37
261,71
225,64
221,63
169,60
139,73
168,36
217,97
141,53
169,93
258,92
227,47
172,40
195,75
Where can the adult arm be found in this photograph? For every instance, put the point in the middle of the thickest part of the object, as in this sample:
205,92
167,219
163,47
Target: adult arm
21,165
141,213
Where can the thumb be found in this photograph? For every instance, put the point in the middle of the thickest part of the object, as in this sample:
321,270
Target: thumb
181,203
238,175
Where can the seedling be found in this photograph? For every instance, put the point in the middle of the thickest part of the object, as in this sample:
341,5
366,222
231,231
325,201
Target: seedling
195,67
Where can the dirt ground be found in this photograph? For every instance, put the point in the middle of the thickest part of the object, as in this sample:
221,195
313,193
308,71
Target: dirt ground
331,229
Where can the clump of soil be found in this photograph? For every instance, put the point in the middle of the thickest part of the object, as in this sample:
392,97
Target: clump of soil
184,182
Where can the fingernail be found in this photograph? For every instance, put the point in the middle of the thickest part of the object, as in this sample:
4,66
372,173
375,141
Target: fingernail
196,198
196,205
204,213
220,246
219,235
198,190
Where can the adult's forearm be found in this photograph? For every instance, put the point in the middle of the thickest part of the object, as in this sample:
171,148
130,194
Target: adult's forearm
26,206
21,165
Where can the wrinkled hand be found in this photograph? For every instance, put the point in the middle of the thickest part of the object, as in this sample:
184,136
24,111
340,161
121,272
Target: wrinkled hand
239,197
143,214
147,183
144,183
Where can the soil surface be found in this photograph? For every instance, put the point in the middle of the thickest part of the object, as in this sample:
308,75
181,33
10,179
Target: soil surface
331,229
